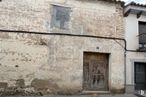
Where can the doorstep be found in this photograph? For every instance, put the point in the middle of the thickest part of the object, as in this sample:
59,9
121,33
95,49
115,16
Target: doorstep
95,92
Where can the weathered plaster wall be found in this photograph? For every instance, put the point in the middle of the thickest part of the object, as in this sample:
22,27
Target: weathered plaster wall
90,18
56,59
31,63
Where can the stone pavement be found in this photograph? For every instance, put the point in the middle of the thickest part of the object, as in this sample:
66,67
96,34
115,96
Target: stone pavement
122,95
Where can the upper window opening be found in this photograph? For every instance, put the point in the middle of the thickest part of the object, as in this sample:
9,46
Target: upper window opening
60,17
142,34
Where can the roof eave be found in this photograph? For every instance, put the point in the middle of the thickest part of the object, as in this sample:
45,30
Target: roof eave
132,9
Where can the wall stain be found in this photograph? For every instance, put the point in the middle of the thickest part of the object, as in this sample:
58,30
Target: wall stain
44,85
4,35
20,83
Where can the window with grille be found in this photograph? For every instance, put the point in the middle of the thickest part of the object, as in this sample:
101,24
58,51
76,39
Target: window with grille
142,34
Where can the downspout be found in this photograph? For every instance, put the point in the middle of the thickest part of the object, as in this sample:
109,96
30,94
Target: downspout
125,64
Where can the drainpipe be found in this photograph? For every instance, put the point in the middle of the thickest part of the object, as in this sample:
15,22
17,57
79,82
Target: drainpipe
125,64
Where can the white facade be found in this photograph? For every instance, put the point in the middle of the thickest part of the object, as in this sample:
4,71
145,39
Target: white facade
132,53
132,30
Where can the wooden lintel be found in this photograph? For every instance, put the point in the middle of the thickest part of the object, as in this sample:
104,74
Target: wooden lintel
139,14
127,13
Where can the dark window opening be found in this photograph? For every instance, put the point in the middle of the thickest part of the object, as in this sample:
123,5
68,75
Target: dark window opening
142,35
60,17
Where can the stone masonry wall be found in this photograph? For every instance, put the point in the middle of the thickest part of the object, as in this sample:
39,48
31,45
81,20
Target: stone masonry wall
54,64
42,64
97,18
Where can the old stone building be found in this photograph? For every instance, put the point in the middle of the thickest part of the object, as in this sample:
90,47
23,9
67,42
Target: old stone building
61,46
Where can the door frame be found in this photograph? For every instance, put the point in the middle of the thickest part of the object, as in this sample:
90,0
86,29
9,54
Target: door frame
133,61
135,72
108,68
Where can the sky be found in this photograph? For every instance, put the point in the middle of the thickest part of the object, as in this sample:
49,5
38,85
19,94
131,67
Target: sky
139,1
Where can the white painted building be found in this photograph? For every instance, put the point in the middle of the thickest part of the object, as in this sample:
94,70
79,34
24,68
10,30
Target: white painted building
135,35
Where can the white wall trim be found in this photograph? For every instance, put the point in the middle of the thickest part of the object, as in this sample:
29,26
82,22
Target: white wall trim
132,66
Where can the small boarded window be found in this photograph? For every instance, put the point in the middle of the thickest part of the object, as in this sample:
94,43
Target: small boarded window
60,17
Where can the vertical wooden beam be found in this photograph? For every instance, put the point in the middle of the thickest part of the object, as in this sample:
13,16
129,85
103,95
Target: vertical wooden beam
139,14
127,13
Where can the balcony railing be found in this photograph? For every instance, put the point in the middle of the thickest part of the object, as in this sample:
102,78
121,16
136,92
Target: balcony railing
142,41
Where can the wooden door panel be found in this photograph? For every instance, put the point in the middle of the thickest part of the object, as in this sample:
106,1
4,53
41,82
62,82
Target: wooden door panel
95,71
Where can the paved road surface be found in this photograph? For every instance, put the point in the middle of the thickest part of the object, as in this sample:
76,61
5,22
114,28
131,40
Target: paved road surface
124,95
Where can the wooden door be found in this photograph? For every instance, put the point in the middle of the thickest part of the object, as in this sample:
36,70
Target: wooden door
95,71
